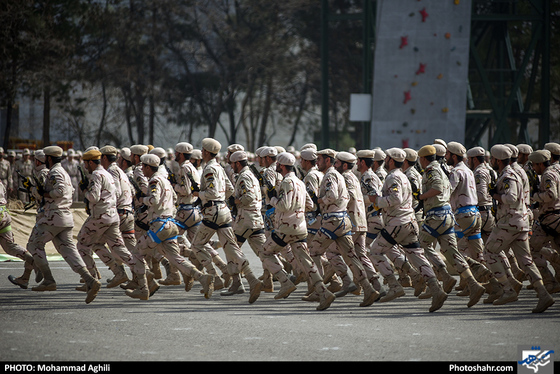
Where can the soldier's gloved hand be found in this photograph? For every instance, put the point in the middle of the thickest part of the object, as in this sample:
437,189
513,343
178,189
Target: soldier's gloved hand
271,193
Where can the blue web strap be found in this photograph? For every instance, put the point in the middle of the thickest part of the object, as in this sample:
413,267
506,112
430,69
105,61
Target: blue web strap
153,234
371,235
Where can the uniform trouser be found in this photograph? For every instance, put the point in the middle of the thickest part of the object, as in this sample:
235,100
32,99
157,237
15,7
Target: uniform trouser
487,224
11,247
386,247
167,246
359,239
468,230
545,229
93,236
337,229
440,229
271,248
190,221
63,243
128,233
217,220
502,240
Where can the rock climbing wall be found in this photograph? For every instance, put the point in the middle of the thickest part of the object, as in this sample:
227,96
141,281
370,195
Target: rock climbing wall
420,72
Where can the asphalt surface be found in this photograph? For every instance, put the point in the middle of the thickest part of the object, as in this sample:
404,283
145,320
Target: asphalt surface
178,326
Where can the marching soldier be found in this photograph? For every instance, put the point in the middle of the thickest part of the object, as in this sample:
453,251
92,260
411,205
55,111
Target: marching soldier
401,229
102,225
162,232
546,228
512,231
215,188
463,200
56,225
344,164
378,164
23,168
291,202
336,225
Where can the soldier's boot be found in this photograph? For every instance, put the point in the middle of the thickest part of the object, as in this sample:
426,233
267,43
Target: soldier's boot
141,292
395,289
226,278
286,285
268,283
131,284
476,290
494,290
370,294
207,282
438,294
551,284
378,286
255,286
324,296
23,280
427,294
235,288
545,300
156,269
404,277
417,280
509,295
335,283
153,285
515,284
347,286
119,278
92,284
189,282
448,280
172,275
553,257
48,283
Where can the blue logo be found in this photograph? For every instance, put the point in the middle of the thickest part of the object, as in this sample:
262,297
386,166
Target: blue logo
536,360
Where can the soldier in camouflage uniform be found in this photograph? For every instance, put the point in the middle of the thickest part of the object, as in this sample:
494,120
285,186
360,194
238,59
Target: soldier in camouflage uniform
344,164
162,232
401,229
464,201
124,194
291,203
336,225
378,164
248,224
512,231
102,225
40,173
215,188
439,221
546,227
22,167
56,225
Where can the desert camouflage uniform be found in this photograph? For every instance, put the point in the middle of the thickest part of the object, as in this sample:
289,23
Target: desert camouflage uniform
357,212
546,227
71,167
464,202
102,227
336,226
512,227
163,231
215,188
374,216
312,181
25,168
439,221
483,178
56,225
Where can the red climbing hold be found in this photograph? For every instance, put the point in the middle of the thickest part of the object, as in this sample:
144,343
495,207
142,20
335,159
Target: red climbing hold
404,41
424,14
407,97
421,69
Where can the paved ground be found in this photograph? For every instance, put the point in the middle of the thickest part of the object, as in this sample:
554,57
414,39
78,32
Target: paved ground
174,325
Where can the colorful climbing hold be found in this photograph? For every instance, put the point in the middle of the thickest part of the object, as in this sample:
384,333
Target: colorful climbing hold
421,69
407,97
404,41
424,14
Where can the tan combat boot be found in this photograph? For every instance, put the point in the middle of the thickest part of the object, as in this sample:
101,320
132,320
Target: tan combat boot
395,289
448,280
325,297
207,282
48,283
370,294
509,294
545,300
142,292
235,288
255,286
286,285
92,284
438,294
476,290
119,278
23,280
